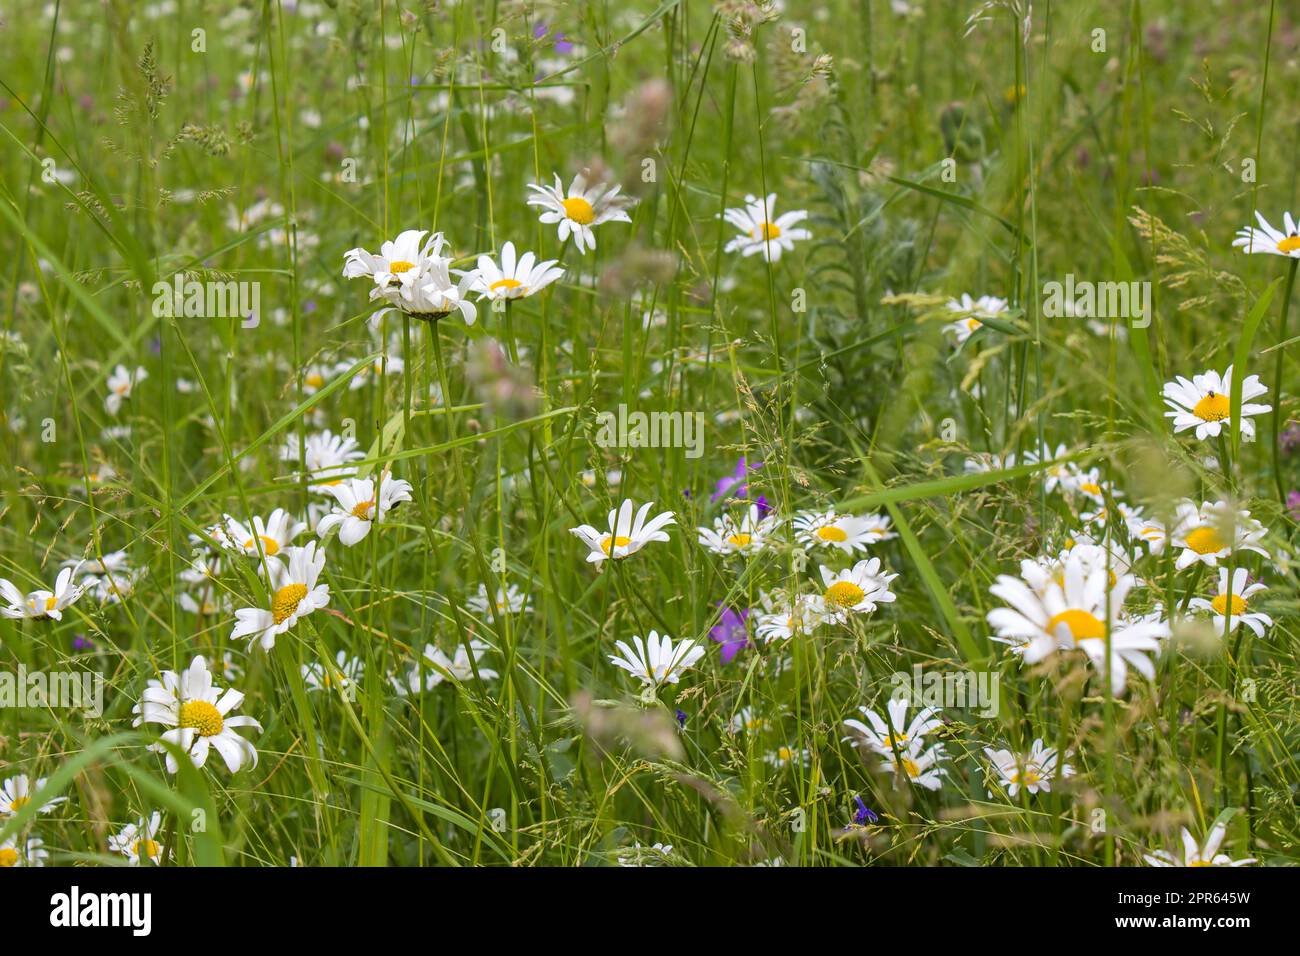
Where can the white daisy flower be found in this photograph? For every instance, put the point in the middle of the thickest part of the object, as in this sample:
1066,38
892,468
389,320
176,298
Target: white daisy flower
275,534
358,507
327,458
29,852
295,593
513,278
1092,486
1067,609
1033,771
855,590
972,312
782,620
342,674
746,721
1195,854
1057,475
1150,531
883,738
747,536
1268,240
918,765
626,535
849,533
785,755
1213,532
139,841
120,384
41,603
656,661
581,209
1240,612
1203,404
508,600
17,792
199,716
399,263
438,667
760,233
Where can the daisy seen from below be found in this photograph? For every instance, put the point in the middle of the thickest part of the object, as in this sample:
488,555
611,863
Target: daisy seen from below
340,675
41,603
1267,240
17,792
746,536
199,717
30,852
849,533
513,278
268,537
1240,612
139,841
1197,854
438,666
760,233
626,535
295,593
898,733
1212,532
357,507
972,312
120,385
656,661
1204,404
855,590
328,458
581,209
1033,771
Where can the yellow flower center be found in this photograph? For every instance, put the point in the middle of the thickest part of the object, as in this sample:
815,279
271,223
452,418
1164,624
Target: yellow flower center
1220,604
844,594
832,533
145,848
50,603
362,509
1205,540
910,768
8,856
314,380
19,803
973,324
768,231
1289,244
1090,488
784,753
1028,778
1082,625
609,542
400,266
890,740
505,284
285,601
1213,407
739,540
579,210
269,545
1200,863
202,716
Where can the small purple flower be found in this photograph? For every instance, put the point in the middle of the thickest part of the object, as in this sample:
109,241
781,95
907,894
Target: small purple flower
763,506
81,643
681,718
736,483
732,632
863,814
1289,440
1293,504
